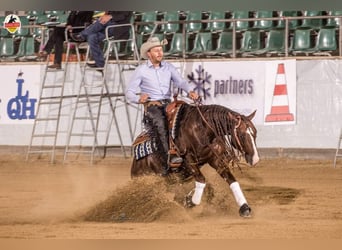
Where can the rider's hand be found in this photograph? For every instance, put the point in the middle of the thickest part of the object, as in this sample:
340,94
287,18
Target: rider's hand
193,95
143,98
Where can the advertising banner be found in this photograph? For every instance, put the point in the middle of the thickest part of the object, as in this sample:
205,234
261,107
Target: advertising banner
245,86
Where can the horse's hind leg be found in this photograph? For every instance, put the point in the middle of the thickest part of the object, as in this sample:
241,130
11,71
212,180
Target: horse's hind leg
240,199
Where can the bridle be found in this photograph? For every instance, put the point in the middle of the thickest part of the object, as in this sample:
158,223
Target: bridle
236,137
235,134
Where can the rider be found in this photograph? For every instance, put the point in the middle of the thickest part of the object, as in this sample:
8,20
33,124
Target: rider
153,78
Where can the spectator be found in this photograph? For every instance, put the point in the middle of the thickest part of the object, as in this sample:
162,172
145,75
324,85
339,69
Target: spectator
95,33
57,37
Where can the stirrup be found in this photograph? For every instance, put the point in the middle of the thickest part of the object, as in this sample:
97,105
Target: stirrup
174,161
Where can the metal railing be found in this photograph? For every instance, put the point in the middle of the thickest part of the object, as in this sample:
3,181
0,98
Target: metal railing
233,25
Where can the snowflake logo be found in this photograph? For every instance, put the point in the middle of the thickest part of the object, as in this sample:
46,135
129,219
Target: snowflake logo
200,82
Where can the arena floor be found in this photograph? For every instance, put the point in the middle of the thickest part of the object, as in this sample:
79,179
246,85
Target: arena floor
290,199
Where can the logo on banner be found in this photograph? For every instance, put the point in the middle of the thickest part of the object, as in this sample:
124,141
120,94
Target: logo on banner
200,82
12,23
221,87
280,110
21,106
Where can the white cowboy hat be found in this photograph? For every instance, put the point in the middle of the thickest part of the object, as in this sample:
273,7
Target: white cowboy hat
149,44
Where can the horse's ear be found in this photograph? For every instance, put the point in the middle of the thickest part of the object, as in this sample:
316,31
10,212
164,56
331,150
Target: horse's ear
251,116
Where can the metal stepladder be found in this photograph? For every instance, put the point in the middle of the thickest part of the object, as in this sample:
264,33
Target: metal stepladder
338,149
95,112
49,115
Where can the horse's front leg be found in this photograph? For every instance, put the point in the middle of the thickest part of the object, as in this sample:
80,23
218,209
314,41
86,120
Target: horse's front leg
245,210
195,196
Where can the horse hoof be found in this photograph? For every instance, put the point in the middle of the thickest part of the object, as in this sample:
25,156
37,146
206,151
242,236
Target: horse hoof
245,210
188,200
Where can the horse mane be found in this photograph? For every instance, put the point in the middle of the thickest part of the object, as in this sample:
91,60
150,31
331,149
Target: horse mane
219,120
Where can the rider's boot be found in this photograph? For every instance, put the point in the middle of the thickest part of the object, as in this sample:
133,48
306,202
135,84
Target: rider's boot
165,171
173,159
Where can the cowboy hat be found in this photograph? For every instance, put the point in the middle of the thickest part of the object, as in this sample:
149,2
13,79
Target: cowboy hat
149,44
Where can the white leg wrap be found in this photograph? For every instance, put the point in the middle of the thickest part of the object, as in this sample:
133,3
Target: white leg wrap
239,197
197,196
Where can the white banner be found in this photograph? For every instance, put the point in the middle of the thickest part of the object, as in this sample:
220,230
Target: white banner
245,86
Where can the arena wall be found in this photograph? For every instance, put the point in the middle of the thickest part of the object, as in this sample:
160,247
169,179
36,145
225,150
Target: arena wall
316,93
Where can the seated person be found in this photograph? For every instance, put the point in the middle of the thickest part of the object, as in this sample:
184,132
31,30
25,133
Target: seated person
57,36
95,33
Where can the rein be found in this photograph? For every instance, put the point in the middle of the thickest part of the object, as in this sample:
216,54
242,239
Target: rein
197,104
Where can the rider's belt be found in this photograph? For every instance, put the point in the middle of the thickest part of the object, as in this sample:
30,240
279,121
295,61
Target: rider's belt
158,103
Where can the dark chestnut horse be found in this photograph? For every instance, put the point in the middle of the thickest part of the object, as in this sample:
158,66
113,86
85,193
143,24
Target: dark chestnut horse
202,134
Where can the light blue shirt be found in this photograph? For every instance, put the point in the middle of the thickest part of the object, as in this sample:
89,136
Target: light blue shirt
156,82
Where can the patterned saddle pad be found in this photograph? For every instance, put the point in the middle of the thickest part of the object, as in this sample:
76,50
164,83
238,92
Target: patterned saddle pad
143,146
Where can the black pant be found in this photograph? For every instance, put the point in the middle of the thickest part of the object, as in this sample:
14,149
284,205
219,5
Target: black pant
157,115
56,40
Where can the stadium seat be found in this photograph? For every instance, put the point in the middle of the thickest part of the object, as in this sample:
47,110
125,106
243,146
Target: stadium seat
62,18
172,25
130,44
7,48
334,22
177,45
293,23
240,25
41,19
193,26
3,32
148,17
23,31
202,44
251,42
32,14
26,50
326,41
312,23
224,44
263,24
275,42
216,26
302,42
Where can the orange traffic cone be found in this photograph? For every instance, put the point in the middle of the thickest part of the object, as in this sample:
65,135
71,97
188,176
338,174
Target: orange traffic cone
280,102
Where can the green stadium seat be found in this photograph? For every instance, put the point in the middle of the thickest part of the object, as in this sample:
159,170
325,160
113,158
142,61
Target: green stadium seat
26,50
202,44
302,42
240,25
23,31
275,42
251,42
148,17
216,26
293,23
177,45
334,22
172,25
312,23
263,24
326,41
7,48
224,44
193,26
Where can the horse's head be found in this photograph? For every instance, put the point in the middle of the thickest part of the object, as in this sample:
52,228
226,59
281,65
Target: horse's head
244,137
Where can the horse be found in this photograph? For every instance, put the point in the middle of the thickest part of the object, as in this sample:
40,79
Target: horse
202,134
